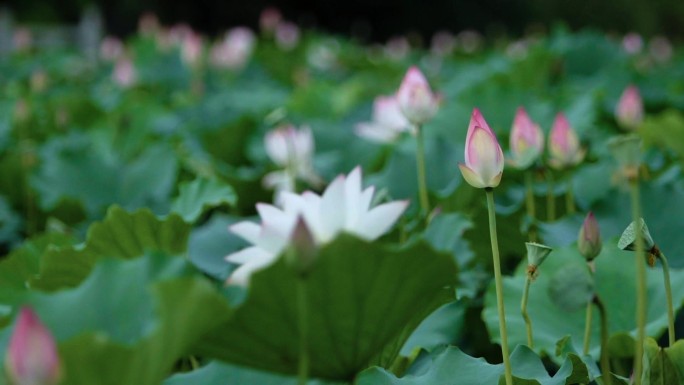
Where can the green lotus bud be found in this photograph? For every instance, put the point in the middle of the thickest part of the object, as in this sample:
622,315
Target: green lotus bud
626,150
589,239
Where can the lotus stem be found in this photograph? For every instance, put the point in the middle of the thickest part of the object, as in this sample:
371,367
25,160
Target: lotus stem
605,362
641,285
529,203
550,198
420,163
499,286
523,310
569,198
668,297
587,329
303,314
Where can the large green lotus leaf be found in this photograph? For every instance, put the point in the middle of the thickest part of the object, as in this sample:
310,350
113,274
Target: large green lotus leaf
364,300
452,366
130,321
22,265
199,195
210,243
122,235
663,366
443,327
219,373
10,223
665,130
73,166
614,282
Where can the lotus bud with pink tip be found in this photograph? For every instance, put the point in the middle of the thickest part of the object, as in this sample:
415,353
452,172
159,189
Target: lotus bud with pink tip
630,109
564,145
589,239
484,160
32,353
416,100
527,140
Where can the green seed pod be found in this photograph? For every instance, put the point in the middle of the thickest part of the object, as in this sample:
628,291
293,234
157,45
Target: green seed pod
629,236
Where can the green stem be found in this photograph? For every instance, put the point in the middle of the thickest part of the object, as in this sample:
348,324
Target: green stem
302,308
668,297
587,329
523,311
605,362
641,286
529,204
420,162
569,198
499,285
550,198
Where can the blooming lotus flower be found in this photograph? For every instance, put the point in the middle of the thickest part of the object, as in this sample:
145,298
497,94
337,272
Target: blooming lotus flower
527,140
415,98
564,146
397,48
484,160
191,49
234,50
344,207
632,43
630,109
292,150
32,353
443,44
388,121
124,73
589,239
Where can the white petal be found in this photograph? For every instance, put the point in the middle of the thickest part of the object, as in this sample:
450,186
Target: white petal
333,209
247,255
352,196
249,231
379,220
255,259
377,132
486,155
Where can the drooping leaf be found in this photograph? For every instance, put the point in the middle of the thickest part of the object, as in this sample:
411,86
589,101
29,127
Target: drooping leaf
363,299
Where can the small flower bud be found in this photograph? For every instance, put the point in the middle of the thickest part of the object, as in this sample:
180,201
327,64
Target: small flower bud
630,109
484,160
589,239
32,353
303,247
527,140
564,145
416,100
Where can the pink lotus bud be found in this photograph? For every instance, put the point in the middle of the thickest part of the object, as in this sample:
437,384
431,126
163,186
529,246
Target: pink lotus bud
303,245
564,146
124,73
660,49
443,44
397,48
484,160
527,140
32,353
234,50
630,109
191,49
589,240
111,48
632,43
148,24
287,35
416,100
269,19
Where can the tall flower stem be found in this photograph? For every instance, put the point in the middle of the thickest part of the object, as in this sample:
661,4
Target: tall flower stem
303,314
499,285
523,311
569,198
641,285
605,362
550,197
420,163
668,297
587,329
529,203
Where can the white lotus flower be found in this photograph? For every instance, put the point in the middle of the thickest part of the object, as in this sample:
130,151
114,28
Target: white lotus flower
292,150
343,207
388,121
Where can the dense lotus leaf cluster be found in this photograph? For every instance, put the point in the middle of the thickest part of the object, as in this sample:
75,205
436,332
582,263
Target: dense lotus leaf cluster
272,206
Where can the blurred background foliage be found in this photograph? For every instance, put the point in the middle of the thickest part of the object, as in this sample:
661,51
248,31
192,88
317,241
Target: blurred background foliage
378,20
